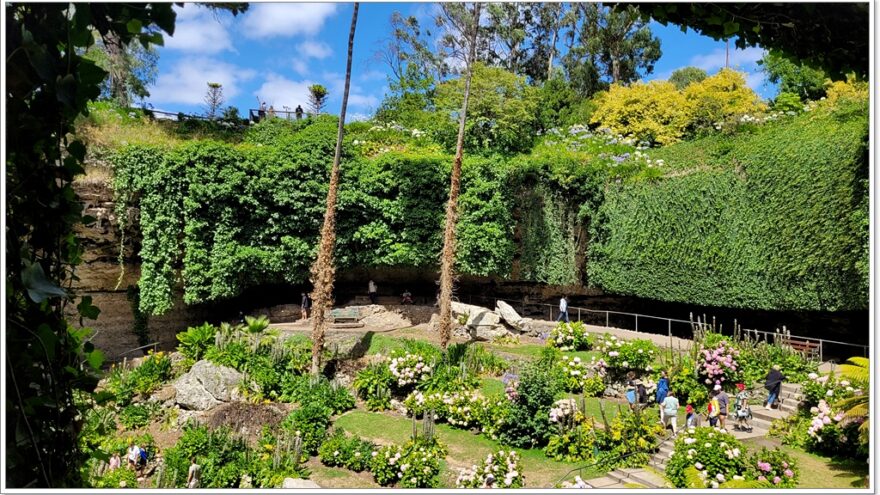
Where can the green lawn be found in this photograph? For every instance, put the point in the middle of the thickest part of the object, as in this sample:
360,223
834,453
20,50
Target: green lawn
491,386
465,448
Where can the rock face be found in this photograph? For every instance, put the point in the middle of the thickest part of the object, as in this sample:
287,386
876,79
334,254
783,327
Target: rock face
298,483
535,328
508,314
207,385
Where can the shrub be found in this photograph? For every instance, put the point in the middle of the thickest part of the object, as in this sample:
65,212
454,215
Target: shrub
310,423
153,371
492,414
576,377
117,478
415,464
622,356
460,409
373,384
687,385
716,454
137,415
221,456
773,466
449,378
576,439
309,389
829,435
501,469
719,365
196,340
655,112
527,423
409,369
349,452
628,439
718,98
275,459
571,337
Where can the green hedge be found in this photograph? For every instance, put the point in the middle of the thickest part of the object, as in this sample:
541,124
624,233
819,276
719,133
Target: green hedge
779,221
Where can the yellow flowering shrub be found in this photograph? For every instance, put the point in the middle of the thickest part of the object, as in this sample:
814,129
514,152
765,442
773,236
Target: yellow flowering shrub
719,97
655,111
849,90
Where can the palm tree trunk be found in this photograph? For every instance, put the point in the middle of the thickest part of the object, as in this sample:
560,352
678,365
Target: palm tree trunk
323,271
447,260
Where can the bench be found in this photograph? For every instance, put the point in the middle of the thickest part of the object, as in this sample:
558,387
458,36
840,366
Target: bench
345,315
807,347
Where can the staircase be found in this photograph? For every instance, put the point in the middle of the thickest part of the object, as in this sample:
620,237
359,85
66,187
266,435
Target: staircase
652,475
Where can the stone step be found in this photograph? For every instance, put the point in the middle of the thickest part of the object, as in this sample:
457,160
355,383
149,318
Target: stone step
666,450
791,387
647,478
604,482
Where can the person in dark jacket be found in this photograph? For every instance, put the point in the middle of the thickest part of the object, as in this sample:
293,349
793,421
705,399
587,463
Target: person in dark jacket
662,390
306,305
773,383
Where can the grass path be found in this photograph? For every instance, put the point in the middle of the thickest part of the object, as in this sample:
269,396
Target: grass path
465,448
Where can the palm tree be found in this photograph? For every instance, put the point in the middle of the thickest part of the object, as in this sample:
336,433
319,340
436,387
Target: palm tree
467,26
323,271
855,408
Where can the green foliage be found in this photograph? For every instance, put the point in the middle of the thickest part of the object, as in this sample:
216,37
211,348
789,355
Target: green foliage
117,478
570,337
256,325
655,112
709,451
501,113
309,422
622,356
222,456
686,76
773,466
153,371
575,444
135,416
373,384
629,438
415,464
773,188
788,102
352,453
527,423
196,340
502,469
797,79
310,389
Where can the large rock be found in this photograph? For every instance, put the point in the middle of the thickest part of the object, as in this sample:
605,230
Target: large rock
508,314
207,385
535,328
489,333
299,483
477,315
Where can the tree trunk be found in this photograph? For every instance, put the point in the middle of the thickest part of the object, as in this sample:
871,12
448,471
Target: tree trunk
552,52
447,260
117,69
323,271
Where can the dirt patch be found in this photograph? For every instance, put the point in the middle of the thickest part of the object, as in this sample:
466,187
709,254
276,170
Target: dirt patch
247,419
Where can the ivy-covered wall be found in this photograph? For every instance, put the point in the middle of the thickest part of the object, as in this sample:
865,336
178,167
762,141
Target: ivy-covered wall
775,220
772,217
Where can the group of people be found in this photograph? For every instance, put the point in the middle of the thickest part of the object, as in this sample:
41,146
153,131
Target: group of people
718,408
137,460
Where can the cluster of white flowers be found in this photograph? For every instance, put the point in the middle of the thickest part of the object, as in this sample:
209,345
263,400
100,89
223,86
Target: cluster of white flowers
409,369
388,126
577,483
562,409
457,408
499,470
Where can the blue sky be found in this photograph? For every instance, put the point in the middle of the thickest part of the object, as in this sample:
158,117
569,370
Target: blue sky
276,50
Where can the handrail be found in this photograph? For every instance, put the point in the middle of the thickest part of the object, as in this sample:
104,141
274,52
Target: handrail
607,313
153,345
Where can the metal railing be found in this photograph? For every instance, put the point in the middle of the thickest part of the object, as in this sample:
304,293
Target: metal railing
621,317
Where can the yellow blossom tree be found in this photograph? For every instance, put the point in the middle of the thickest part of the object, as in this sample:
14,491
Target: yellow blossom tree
655,111
720,97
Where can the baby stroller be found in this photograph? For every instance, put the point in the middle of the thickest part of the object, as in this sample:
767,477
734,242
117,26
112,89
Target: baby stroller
742,412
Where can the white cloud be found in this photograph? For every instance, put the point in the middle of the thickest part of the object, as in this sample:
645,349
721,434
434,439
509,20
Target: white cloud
198,30
738,58
187,81
372,75
361,100
266,20
301,66
314,49
357,117
755,80
279,92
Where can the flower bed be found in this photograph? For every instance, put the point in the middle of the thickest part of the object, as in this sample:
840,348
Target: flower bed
579,377
409,369
719,365
773,466
415,464
570,337
621,356
502,469
716,454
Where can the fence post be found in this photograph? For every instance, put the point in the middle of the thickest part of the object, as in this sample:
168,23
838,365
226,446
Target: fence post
551,312
607,319
670,329
821,345
637,323
579,314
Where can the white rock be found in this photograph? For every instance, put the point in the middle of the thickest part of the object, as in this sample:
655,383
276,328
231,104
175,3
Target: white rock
298,483
207,385
509,314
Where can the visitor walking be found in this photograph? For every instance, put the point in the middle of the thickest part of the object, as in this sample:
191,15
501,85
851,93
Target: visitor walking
630,393
193,478
723,403
134,454
741,407
371,291
773,383
115,461
714,408
563,310
299,112
662,390
670,407
306,305
690,418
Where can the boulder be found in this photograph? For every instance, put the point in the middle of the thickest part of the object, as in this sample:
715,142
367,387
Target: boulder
535,328
298,483
207,385
483,318
508,314
164,395
491,332
467,309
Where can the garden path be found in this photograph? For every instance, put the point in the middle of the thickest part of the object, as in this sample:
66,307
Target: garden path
651,477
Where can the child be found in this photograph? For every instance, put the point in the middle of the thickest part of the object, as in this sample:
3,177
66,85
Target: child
690,418
741,406
714,409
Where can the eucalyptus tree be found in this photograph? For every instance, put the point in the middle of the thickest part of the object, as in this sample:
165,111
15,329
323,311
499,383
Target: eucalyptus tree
462,24
324,271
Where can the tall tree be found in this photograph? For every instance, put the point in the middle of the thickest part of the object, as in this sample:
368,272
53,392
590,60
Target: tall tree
463,27
317,98
323,271
507,31
686,76
132,67
544,33
213,99
796,78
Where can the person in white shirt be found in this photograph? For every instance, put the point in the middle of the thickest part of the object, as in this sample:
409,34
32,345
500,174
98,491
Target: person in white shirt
670,411
134,455
193,478
563,310
371,291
